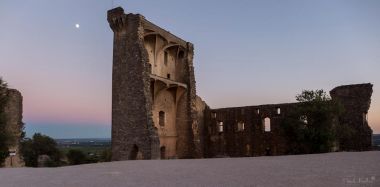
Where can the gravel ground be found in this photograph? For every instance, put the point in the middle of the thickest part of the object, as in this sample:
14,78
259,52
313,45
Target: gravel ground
332,169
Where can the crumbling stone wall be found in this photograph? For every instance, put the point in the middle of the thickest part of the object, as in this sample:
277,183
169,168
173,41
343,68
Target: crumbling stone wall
356,100
202,116
133,133
240,131
153,91
253,140
14,125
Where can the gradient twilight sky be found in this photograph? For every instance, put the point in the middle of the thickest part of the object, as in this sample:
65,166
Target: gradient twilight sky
247,52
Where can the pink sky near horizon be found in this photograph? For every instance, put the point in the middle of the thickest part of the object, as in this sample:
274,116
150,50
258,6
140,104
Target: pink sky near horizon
49,106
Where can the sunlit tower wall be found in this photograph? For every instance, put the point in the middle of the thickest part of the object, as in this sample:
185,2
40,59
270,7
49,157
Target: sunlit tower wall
154,102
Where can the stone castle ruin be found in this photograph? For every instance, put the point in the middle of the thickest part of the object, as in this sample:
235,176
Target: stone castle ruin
157,114
14,127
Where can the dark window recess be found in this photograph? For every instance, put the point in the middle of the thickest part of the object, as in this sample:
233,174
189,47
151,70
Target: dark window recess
213,115
161,118
181,54
163,152
166,58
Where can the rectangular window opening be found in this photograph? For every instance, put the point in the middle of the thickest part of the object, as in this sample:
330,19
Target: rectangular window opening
240,126
166,58
220,126
213,115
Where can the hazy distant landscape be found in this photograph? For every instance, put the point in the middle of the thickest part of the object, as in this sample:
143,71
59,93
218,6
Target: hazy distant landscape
83,142
89,146
96,144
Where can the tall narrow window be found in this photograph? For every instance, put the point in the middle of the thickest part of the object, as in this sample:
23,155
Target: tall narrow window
213,115
163,152
240,126
166,58
278,110
161,118
257,111
267,127
181,54
220,126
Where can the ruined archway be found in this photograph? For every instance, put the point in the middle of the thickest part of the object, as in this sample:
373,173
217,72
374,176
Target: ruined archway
133,153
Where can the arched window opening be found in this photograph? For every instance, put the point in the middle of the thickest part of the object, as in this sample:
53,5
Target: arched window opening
278,111
267,125
168,75
163,152
166,58
268,151
161,118
133,153
257,111
240,126
220,126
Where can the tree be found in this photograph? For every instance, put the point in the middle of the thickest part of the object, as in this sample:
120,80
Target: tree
76,157
106,155
311,126
4,137
40,145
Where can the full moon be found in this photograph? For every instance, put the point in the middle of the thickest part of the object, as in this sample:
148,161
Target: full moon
77,25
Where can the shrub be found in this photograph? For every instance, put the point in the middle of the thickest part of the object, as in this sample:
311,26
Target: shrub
311,126
76,157
40,145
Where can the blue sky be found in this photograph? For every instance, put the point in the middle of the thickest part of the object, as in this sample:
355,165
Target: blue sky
246,53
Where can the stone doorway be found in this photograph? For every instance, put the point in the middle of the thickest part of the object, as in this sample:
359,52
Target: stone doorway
163,152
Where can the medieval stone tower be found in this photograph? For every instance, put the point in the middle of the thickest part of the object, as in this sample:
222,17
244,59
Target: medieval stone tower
154,105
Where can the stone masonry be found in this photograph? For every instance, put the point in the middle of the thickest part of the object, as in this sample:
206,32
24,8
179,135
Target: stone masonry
153,91
356,100
14,125
156,113
260,133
